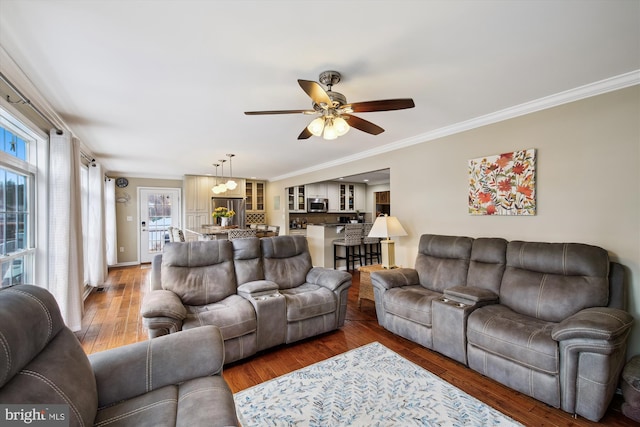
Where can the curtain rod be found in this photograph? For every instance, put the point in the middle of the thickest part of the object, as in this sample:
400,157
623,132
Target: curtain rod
26,101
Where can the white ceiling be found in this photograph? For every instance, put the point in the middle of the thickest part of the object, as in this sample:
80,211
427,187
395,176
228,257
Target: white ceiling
158,88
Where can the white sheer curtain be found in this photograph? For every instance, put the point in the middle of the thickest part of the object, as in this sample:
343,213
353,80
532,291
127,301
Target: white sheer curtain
110,220
65,228
97,257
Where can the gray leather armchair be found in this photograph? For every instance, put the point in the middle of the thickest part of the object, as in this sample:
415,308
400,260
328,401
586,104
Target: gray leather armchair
43,363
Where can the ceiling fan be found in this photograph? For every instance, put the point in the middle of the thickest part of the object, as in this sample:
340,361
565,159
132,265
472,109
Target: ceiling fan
334,113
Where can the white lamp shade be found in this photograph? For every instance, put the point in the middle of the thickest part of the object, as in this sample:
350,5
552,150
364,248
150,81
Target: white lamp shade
316,126
387,226
329,130
231,184
340,126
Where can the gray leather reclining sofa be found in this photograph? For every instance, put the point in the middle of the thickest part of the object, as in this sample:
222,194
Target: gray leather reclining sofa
153,383
260,292
546,319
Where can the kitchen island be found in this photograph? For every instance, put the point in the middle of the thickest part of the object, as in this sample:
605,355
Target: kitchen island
320,238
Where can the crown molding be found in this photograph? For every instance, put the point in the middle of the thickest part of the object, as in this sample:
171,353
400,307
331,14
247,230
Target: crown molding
19,79
586,91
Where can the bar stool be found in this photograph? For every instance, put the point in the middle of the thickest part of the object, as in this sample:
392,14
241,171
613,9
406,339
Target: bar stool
352,241
372,246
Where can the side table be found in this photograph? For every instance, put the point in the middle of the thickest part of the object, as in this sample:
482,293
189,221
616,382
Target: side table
366,288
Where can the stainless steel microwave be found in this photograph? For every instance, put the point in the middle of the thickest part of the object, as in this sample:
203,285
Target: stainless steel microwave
317,205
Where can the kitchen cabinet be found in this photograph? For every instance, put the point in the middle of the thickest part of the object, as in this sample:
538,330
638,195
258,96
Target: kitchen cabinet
239,191
383,197
361,198
254,191
296,199
317,190
197,200
197,193
346,197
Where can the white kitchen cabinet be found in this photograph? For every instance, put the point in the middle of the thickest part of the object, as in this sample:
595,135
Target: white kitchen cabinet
197,193
240,190
296,199
346,197
317,190
255,195
361,198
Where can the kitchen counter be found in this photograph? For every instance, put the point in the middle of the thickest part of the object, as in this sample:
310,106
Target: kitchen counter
320,238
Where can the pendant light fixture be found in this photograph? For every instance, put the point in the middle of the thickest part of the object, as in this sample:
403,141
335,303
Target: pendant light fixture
215,188
231,184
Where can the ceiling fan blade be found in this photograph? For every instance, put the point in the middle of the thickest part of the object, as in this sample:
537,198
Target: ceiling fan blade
305,134
315,92
362,124
382,105
256,113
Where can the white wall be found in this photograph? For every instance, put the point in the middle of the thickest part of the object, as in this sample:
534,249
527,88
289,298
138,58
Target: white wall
588,182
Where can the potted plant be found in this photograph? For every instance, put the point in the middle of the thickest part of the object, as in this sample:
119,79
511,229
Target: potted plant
224,214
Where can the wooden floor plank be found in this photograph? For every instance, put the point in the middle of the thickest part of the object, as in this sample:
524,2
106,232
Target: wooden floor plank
112,318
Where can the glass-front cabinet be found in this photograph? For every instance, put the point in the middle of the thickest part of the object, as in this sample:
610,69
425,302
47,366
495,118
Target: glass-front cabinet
296,198
347,197
255,196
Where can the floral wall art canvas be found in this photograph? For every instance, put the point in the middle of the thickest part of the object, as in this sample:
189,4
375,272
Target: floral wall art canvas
504,184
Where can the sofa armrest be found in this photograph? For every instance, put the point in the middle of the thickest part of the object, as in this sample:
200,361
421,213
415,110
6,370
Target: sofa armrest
328,277
471,295
602,323
125,372
163,303
395,278
256,288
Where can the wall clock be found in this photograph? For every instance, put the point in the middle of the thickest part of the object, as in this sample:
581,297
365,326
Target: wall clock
122,182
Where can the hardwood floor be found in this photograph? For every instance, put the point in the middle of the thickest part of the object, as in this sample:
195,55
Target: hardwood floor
112,319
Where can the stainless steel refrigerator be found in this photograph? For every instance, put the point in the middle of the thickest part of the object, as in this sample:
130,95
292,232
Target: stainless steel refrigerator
236,204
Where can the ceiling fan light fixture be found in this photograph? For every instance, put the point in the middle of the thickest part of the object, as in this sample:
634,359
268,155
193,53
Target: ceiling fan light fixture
341,126
316,126
330,131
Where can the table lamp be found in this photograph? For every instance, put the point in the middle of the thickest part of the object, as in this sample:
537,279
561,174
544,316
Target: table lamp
387,226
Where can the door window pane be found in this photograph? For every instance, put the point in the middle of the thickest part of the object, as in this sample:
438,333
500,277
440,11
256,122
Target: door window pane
159,210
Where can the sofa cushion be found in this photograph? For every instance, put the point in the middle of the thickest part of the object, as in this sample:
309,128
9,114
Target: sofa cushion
498,330
307,300
157,407
552,281
199,272
286,260
411,302
201,401
234,316
443,261
487,264
247,260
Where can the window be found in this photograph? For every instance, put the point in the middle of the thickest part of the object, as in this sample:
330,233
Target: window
16,206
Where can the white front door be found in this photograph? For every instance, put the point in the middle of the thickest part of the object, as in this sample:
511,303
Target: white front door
159,210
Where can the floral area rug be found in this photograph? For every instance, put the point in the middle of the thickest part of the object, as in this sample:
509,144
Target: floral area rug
367,386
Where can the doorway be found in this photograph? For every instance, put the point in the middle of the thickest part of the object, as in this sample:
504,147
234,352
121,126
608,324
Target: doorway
159,209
